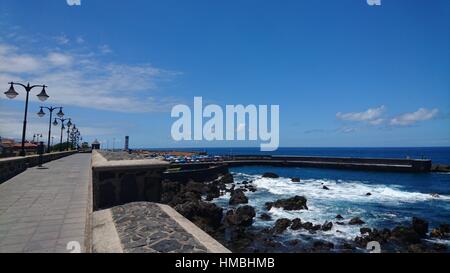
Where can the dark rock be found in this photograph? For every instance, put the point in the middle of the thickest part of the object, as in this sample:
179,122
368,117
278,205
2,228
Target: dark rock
242,216
295,179
441,232
308,226
281,225
439,247
270,175
368,194
251,188
231,189
327,226
346,246
293,242
316,227
325,188
265,217
405,235
416,248
196,187
238,197
213,192
268,242
296,224
356,221
374,235
340,223
420,226
339,217
322,246
365,230
294,203
268,205
227,179
206,215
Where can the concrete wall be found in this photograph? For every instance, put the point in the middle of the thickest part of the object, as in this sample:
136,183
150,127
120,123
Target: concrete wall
198,173
123,181
10,167
367,164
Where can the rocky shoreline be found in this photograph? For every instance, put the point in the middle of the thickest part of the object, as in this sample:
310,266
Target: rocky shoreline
234,228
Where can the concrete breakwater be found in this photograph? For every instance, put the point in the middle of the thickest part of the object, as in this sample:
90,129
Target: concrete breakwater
363,164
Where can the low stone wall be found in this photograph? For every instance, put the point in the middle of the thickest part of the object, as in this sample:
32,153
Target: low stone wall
10,167
117,182
144,227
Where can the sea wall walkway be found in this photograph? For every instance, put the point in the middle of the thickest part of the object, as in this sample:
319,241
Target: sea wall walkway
44,209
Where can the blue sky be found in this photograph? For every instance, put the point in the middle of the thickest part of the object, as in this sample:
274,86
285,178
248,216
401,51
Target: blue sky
344,73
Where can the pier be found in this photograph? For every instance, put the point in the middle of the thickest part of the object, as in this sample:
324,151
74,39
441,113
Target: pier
361,164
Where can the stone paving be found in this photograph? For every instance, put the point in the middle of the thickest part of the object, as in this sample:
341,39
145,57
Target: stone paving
43,209
144,228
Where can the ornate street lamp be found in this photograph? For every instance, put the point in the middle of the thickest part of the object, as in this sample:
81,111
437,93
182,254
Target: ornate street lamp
69,123
36,136
41,114
11,94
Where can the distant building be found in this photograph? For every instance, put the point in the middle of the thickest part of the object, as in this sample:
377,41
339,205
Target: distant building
95,145
127,143
28,146
6,147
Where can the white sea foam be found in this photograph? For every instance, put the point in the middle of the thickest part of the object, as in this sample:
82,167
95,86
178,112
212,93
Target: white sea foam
320,202
354,191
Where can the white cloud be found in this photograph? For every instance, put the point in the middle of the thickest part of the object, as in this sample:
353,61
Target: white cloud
11,62
80,40
59,59
378,121
411,118
62,40
11,126
347,130
85,81
105,49
371,115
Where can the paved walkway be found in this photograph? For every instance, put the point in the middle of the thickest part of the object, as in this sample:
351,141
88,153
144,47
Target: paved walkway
43,209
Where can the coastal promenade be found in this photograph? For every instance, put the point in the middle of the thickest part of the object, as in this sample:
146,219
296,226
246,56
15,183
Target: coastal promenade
45,209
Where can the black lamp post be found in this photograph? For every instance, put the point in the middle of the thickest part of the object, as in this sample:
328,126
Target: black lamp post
74,137
68,134
11,93
41,113
55,123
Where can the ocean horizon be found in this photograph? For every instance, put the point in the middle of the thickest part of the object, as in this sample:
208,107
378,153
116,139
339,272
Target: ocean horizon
438,155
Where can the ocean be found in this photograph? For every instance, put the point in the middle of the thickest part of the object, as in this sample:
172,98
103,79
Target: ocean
395,199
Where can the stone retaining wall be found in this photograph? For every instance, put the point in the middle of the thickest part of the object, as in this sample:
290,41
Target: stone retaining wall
117,182
10,167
